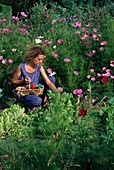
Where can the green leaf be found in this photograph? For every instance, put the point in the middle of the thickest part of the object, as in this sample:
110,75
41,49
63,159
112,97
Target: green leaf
111,101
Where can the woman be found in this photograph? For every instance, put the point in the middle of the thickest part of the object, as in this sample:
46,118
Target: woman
29,72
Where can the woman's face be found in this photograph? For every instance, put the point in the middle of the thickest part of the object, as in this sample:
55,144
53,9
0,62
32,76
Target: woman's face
39,59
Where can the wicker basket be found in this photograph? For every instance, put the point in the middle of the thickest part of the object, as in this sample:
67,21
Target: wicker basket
21,91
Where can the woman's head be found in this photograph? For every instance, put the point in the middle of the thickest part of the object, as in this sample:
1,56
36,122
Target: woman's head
34,52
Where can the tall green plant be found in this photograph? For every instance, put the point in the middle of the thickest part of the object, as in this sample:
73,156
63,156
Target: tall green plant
15,41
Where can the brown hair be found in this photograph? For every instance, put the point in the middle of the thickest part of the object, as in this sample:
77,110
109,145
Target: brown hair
34,52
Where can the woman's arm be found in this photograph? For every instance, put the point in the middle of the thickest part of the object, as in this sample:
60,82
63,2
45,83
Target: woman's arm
15,79
47,80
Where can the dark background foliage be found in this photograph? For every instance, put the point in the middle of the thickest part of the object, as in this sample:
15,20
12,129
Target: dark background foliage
25,5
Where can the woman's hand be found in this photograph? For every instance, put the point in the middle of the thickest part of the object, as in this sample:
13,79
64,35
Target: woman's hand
15,79
27,80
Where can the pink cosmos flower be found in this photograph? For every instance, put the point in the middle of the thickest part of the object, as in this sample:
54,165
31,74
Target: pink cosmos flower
1,57
93,100
88,76
59,41
26,26
67,60
85,36
15,18
10,61
83,29
49,70
92,70
54,21
23,14
24,31
79,92
86,97
77,24
101,48
3,20
6,156
112,77
82,38
55,54
21,29
92,78
107,74
76,73
98,74
34,108
6,30
78,32
88,90
104,68
108,70
90,54
4,61
47,42
60,89
63,20
112,63
104,43
95,30
94,36
94,51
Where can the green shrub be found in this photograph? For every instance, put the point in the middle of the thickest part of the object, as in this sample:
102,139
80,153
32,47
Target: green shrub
66,134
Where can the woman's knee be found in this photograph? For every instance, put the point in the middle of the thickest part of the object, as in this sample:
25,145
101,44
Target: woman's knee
31,100
37,101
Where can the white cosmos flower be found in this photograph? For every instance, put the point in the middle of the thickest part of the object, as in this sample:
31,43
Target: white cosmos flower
40,37
54,46
38,41
13,50
53,73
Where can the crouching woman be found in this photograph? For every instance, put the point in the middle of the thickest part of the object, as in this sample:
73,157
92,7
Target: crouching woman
29,72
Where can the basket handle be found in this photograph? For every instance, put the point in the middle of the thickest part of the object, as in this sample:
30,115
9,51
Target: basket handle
29,85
